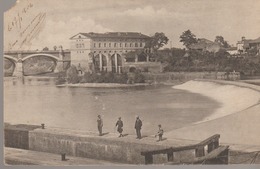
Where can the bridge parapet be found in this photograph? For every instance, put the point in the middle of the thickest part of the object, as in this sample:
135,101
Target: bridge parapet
23,54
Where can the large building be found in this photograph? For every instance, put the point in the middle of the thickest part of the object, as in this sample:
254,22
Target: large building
104,51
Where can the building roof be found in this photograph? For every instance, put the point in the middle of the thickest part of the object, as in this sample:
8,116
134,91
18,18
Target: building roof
203,40
203,44
255,41
114,35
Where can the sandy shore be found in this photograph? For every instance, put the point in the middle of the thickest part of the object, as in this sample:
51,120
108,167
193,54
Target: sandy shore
237,121
233,97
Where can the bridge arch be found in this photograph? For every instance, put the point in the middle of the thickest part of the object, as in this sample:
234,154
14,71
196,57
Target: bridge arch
42,54
13,59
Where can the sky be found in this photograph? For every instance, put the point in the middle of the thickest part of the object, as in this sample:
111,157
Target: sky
231,19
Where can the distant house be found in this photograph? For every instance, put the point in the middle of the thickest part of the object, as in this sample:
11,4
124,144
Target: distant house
255,44
206,45
246,44
232,51
243,45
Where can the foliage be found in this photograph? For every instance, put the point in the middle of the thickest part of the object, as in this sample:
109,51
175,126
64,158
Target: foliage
207,61
60,79
188,38
252,51
72,75
220,40
136,77
157,41
45,49
108,77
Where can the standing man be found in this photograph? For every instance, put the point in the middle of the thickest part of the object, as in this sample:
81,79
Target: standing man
138,126
119,125
100,125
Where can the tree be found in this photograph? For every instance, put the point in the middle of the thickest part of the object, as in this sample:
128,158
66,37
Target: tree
45,49
188,38
55,47
220,40
72,74
157,41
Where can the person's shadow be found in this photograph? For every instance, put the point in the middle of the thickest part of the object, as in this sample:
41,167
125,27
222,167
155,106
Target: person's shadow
104,133
124,135
143,136
161,140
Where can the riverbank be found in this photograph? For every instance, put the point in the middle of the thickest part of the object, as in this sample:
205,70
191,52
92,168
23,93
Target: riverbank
103,85
233,96
237,121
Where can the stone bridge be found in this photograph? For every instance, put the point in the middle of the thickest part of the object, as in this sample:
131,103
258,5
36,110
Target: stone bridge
18,57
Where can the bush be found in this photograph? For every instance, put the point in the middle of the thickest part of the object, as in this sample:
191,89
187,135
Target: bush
108,77
72,75
61,79
136,77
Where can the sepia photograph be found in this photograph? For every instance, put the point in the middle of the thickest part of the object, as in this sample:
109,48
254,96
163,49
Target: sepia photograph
131,82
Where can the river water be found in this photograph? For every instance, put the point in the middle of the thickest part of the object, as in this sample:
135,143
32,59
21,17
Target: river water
33,100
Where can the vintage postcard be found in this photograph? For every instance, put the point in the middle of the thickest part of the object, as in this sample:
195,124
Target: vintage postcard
130,82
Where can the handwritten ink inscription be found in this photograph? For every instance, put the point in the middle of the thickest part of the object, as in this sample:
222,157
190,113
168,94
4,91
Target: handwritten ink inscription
16,22
25,25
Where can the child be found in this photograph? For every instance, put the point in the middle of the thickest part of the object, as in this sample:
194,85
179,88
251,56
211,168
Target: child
159,133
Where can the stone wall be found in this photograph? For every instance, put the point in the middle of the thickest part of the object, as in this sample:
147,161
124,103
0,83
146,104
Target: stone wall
110,149
17,136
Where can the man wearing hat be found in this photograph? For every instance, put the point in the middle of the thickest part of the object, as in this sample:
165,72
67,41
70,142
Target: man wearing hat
99,125
138,126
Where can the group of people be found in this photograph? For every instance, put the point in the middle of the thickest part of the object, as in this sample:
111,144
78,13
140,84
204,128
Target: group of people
119,125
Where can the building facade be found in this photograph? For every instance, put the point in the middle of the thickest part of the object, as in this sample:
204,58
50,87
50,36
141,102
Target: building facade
104,51
245,45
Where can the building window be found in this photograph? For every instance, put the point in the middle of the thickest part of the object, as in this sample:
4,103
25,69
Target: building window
114,44
130,44
83,45
120,45
94,45
99,45
125,44
105,45
141,44
109,44
136,44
